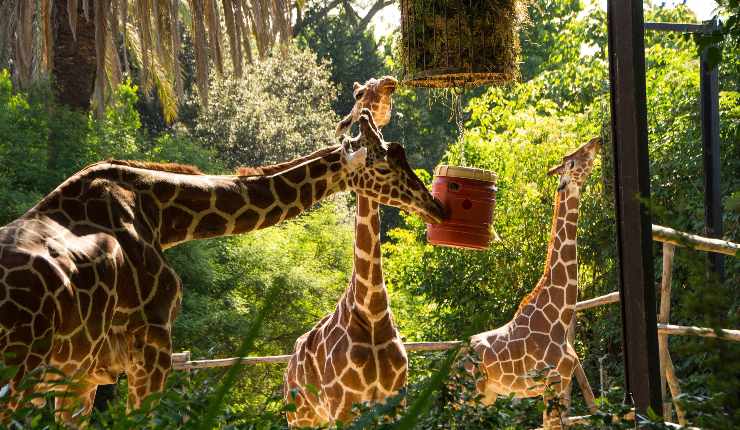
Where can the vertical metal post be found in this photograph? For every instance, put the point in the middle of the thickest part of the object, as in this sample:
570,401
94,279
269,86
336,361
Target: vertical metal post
709,101
631,186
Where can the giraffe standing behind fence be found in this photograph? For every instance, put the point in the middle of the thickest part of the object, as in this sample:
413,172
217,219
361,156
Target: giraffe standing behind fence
535,339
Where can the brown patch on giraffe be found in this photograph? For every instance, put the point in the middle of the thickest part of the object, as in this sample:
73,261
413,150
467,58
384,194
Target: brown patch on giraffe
570,231
571,294
319,189
370,372
246,221
164,191
551,312
165,167
553,353
567,315
317,170
211,225
175,224
229,201
272,217
516,349
568,253
286,193
97,212
357,332
74,208
362,268
557,333
557,297
351,379
377,275
387,374
383,330
360,355
378,302
306,195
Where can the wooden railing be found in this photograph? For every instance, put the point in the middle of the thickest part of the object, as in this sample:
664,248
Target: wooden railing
670,239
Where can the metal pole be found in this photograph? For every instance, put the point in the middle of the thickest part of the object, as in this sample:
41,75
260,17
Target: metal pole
709,102
631,188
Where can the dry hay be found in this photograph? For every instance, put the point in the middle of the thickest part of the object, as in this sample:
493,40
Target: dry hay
460,42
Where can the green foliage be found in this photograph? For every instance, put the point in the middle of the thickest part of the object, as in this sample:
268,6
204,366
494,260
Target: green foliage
279,110
352,54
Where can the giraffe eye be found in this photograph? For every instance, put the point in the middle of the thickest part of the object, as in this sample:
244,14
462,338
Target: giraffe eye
572,164
359,95
383,171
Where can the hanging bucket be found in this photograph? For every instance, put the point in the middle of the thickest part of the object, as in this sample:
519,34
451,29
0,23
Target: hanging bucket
469,198
460,43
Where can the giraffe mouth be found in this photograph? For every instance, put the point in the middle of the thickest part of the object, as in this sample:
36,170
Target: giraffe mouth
435,214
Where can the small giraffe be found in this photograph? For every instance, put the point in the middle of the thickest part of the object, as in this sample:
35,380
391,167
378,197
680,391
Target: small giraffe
84,285
375,94
355,354
535,339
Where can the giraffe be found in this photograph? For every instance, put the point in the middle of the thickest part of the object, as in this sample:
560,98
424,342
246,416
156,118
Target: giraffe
354,354
374,94
84,285
535,339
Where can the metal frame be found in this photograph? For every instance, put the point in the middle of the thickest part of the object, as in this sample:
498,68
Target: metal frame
632,189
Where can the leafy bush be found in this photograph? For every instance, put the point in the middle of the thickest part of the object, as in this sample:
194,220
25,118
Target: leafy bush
280,109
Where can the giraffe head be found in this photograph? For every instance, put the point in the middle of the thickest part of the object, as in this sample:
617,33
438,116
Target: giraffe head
375,94
382,174
577,165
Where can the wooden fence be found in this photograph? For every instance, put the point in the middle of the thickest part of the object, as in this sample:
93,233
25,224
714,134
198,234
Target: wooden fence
669,237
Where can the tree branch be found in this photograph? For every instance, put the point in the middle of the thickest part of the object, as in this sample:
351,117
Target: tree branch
311,18
377,7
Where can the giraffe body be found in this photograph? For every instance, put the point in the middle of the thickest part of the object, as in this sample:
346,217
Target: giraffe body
535,340
355,354
84,285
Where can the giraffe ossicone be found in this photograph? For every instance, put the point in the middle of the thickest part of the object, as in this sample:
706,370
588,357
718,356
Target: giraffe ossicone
85,287
535,340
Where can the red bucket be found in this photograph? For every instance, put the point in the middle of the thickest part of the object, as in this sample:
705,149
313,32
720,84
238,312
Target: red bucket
469,198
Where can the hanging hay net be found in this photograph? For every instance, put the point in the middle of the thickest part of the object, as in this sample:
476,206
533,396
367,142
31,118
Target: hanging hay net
460,43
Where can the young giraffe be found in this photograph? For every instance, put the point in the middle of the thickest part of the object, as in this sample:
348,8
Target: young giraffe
535,339
355,354
374,94
84,285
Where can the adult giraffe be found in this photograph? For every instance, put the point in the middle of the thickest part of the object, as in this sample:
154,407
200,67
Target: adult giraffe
84,285
354,354
535,339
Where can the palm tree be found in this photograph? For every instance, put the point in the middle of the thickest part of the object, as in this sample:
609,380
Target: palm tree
88,45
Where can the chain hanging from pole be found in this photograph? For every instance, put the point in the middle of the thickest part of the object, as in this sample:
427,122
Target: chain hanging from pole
457,112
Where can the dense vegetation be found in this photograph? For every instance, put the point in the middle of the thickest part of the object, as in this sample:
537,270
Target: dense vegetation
285,106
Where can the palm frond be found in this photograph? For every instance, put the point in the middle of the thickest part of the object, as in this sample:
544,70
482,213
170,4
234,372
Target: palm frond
151,36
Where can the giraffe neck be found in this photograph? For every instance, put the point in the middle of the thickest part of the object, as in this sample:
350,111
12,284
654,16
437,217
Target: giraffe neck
201,207
367,294
559,283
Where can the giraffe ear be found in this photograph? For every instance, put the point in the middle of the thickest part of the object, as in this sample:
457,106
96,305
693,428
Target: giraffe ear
344,125
357,158
355,86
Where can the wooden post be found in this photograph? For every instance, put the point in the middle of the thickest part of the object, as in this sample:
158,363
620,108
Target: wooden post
631,191
667,371
580,375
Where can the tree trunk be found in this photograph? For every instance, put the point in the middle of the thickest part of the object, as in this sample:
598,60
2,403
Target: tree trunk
74,57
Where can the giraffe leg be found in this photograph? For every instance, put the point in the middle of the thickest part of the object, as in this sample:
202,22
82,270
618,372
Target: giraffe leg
556,401
149,363
25,347
75,403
